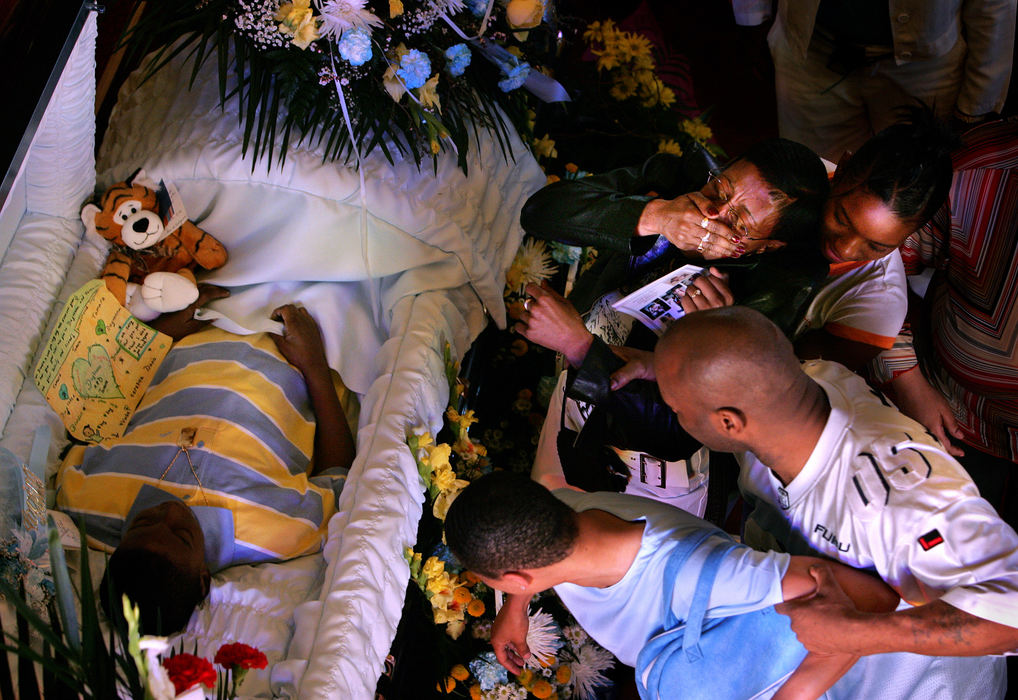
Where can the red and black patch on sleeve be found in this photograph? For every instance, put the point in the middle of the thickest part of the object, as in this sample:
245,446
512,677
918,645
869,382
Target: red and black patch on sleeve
930,540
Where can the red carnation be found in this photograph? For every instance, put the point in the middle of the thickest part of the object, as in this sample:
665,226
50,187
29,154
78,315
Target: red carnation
242,656
188,670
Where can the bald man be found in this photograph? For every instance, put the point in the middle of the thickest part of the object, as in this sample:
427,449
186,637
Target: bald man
832,469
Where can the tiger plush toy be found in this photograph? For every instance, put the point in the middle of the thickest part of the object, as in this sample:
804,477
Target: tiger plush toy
149,268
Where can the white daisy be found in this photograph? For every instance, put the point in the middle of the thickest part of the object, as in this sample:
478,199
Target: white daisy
591,662
542,639
576,636
340,15
532,263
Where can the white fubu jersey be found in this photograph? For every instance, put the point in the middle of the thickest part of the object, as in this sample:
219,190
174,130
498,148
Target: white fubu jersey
878,492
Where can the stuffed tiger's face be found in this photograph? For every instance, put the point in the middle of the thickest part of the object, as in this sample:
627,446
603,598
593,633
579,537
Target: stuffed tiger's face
127,215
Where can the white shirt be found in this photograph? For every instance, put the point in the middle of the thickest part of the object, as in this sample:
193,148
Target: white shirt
878,492
866,304
624,616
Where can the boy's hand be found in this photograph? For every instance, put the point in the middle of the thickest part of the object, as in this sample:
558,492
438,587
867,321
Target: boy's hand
509,636
301,342
178,324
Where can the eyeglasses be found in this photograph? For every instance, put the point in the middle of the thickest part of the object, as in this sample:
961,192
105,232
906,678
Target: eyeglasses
720,190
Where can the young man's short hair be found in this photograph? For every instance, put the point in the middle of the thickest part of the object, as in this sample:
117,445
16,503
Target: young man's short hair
165,595
506,522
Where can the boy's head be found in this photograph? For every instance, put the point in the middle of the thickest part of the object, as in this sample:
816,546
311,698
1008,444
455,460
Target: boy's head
160,565
505,523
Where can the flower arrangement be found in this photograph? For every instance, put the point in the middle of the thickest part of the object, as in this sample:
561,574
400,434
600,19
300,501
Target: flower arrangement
183,676
565,661
631,99
413,76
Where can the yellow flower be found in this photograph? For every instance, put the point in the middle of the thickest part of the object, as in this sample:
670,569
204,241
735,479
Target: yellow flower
542,689
624,88
526,678
459,672
475,692
445,499
669,146
428,95
595,32
475,607
463,421
666,96
572,168
433,567
421,439
531,119
454,628
461,595
443,615
297,21
446,686
392,84
438,455
607,60
441,592
519,347
544,147
551,178
562,674
444,478
395,8
524,14
697,129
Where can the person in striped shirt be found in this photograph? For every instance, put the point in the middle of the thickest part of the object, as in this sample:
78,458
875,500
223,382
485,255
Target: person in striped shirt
236,454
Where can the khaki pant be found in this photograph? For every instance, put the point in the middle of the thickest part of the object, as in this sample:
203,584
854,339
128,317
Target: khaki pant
833,117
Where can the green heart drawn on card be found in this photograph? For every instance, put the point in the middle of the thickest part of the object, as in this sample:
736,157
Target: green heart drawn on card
93,378
100,327
64,393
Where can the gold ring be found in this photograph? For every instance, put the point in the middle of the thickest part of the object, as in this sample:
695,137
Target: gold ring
527,302
703,222
695,293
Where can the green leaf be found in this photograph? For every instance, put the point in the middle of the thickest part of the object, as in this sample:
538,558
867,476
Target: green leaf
42,627
64,590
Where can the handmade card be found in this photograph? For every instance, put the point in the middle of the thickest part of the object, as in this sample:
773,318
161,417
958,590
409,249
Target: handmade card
98,363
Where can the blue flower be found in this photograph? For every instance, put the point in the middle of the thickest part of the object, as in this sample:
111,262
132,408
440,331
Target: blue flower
514,76
458,56
477,7
355,46
488,671
562,253
445,554
414,69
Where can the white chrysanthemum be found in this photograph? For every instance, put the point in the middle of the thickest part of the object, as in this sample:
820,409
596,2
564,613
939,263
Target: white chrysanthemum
449,7
340,15
588,670
532,263
542,639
